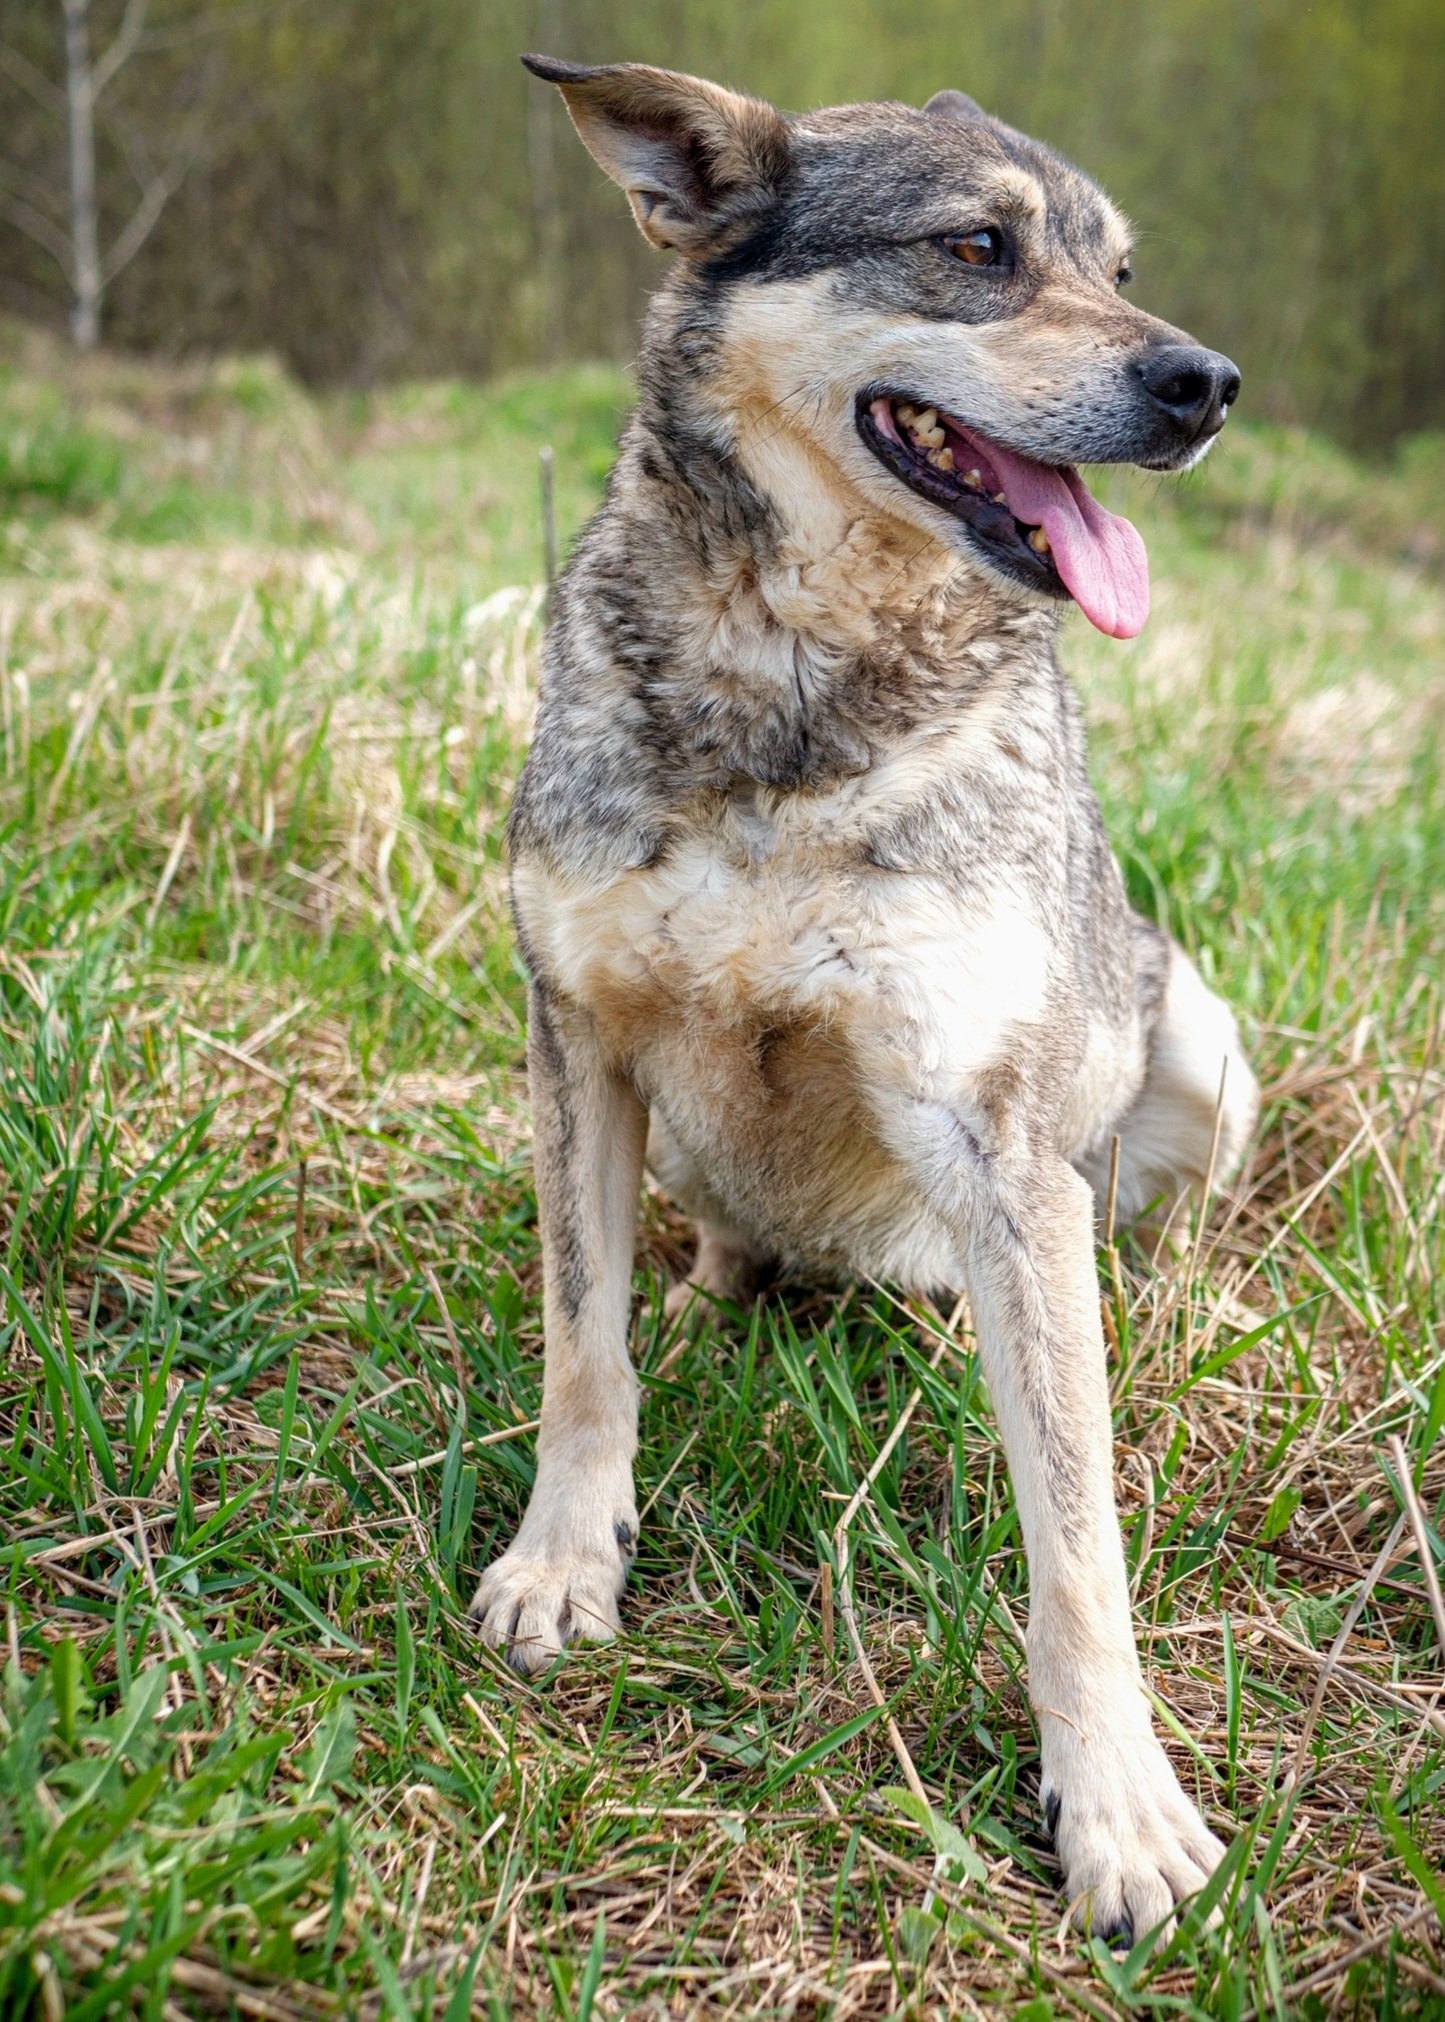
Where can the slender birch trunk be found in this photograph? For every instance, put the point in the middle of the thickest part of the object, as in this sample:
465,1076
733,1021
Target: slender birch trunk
84,225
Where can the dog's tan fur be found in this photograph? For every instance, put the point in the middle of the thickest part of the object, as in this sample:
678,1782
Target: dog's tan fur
816,905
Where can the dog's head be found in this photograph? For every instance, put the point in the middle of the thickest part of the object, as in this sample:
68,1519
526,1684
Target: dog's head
932,301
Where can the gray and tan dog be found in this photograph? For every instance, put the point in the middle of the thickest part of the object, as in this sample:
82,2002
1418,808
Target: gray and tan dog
815,897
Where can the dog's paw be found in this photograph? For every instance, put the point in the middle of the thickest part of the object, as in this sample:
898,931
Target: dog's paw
1131,1843
722,1269
534,1600
686,1300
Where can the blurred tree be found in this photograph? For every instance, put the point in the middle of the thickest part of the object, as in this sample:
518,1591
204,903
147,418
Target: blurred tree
33,205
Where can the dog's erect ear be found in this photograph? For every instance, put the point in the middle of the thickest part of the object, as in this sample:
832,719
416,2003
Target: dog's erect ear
955,105
695,160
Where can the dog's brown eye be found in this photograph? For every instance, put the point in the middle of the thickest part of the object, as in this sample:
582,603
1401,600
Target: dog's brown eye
978,249
1124,276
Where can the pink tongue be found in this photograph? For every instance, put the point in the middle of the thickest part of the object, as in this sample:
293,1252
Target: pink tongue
1100,556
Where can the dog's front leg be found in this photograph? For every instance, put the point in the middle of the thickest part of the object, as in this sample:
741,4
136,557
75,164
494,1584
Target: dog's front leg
1131,1843
563,1574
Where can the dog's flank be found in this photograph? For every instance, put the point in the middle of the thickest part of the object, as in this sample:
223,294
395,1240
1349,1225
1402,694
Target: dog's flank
813,890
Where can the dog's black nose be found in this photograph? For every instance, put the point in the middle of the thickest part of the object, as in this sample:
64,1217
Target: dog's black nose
1195,388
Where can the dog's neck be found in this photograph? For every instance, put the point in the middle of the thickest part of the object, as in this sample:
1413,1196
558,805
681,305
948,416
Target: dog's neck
796,631
738,627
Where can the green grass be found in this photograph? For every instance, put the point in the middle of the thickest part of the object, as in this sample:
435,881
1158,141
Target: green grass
270,1315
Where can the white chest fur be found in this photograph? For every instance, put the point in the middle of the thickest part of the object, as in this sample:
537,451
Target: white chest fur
766,924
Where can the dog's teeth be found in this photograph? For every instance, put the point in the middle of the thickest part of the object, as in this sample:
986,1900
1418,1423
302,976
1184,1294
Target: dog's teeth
999,499
1038,541
926,418
941,459
975,478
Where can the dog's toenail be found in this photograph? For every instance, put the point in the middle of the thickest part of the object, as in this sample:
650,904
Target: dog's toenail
1052,1806
624,1537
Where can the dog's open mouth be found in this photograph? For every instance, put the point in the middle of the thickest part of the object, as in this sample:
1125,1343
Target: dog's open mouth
1035,522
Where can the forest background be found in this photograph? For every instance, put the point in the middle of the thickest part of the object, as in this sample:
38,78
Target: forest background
374,193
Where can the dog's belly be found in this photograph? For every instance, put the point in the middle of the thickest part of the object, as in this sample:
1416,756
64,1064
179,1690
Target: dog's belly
745,999
770,1137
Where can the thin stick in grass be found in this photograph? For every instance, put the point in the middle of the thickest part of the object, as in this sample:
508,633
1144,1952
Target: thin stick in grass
298,1233
547,471
1337,1649
468,1447
172,865
845,1585
1422,1536
458,1359
1113,1200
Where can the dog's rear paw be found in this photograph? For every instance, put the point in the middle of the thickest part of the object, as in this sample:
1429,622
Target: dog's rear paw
1131,1843
685,1299
724,1268
532,1603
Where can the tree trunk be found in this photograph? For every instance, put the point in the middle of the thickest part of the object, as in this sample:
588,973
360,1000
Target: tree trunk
84,226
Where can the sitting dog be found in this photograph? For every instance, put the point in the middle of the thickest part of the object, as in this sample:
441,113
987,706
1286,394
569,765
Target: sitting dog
815,899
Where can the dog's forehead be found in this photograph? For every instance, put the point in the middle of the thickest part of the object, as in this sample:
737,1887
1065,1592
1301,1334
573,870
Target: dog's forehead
878,166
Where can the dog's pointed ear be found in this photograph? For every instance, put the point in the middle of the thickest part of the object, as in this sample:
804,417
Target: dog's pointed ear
696,161
955,105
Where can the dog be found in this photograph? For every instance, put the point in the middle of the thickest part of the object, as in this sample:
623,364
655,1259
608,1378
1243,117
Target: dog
815,900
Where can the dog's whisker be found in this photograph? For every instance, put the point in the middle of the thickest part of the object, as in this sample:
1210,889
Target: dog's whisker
818,398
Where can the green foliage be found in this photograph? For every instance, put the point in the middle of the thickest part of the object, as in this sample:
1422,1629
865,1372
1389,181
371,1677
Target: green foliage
49,466
101,1820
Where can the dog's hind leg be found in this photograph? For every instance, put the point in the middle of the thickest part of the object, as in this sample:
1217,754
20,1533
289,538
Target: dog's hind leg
1199,1101
726,1265
1130,1841
561,1578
